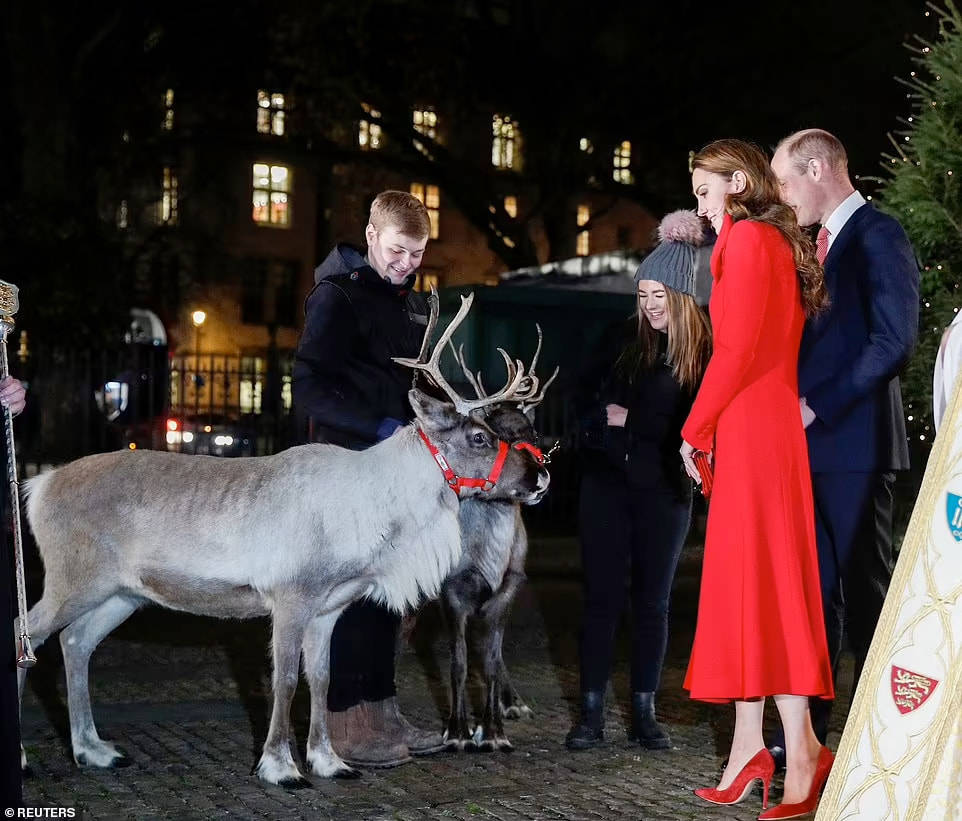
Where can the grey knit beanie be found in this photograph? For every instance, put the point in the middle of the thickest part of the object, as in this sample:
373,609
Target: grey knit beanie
682,258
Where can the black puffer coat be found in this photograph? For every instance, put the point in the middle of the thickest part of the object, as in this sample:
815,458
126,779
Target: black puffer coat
645,450
346,388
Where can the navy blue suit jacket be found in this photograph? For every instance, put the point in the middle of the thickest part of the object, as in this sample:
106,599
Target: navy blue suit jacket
850,356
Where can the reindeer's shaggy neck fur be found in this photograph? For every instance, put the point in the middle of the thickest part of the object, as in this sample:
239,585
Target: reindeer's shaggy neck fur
488,532
417,543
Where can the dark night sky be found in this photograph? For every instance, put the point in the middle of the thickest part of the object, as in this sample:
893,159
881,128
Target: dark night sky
760,71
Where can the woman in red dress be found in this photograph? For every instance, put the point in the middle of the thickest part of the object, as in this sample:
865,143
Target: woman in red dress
760,629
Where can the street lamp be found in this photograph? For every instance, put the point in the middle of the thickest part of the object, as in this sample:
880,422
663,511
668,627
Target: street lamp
198,318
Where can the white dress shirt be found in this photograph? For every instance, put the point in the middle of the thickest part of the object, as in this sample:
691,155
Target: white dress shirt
837,219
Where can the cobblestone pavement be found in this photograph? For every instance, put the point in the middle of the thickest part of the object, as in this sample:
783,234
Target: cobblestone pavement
188,699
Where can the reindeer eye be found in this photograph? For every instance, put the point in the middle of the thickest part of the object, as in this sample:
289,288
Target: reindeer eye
480,438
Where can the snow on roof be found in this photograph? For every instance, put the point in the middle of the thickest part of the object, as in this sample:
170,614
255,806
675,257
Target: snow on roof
612,271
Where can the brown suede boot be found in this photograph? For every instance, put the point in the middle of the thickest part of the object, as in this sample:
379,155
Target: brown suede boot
386,717
359,744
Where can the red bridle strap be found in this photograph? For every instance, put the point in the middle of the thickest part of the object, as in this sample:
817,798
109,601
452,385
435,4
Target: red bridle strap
534,451
456,482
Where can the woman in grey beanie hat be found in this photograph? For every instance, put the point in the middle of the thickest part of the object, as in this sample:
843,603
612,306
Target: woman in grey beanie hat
635,501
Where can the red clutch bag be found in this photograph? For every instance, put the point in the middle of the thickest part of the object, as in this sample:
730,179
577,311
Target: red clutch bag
703,463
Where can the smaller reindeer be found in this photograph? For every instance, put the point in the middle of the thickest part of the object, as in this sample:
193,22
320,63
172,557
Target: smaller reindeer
484,583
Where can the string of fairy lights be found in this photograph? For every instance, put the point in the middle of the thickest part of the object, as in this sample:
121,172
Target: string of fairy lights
925,95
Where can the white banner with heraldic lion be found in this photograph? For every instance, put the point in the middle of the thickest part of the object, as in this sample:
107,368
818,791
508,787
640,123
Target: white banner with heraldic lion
900,757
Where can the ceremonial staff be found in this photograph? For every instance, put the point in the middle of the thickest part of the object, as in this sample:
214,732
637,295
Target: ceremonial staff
9,305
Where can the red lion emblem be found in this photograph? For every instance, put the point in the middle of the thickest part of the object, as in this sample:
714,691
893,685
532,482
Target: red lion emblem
910,690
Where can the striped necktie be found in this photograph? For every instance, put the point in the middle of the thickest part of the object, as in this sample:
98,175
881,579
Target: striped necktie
821,245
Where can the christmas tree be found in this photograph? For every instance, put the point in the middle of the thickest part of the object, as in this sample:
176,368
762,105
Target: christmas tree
922,189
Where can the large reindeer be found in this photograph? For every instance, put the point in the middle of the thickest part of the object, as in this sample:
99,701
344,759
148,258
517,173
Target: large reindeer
298,536
482,586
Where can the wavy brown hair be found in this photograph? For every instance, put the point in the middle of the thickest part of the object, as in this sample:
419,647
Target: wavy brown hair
760,201
689,341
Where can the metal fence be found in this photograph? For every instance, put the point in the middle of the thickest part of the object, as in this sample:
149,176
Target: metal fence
136,396
84,401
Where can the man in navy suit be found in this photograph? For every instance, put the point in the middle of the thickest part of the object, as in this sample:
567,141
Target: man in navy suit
851,403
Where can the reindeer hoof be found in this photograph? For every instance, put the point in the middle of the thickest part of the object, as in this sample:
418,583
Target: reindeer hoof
491,744
464,742
109,759
461,745
348,773
516,711
294,783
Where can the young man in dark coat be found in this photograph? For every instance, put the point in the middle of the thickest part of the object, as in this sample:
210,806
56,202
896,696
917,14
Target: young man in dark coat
348,392
851,401
12,395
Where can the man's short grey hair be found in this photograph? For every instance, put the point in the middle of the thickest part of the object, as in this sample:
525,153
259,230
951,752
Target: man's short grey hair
815,144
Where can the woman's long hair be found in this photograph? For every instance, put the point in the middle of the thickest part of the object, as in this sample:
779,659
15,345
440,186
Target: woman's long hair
760,201
689,342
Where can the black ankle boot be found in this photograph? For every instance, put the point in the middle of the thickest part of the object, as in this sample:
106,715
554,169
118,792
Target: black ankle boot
590,729
644,728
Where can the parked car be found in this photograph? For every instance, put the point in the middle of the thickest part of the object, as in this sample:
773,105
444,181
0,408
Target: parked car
210,435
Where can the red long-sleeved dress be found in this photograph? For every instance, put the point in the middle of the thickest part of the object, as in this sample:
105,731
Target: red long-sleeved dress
760,627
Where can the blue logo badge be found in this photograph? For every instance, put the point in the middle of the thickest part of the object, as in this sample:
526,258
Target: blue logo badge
953,515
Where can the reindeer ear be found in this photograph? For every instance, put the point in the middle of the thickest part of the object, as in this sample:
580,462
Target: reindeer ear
433,414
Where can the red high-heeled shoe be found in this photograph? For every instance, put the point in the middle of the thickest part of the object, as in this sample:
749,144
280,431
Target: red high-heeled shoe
761,766
822,769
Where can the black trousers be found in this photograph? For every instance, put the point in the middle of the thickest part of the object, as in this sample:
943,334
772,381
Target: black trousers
853,528
362,655
621,527
11,790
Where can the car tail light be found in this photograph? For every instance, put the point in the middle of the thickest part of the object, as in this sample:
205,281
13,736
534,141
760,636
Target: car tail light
172,424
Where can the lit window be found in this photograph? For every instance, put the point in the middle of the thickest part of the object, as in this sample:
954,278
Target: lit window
424,282
586,145
511,206
431,197
252,373
368,130
167,209
506,145
622,164
271,112
583,245
122,214
168,124
272,187
426,122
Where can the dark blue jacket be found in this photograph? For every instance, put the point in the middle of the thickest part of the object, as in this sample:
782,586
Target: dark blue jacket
851,355
347,389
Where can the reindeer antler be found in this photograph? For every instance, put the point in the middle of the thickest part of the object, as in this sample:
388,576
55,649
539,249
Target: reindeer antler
474,379
431,367
527,395
531,397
